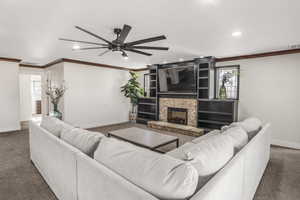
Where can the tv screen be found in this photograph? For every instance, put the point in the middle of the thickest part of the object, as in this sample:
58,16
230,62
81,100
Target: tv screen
177,79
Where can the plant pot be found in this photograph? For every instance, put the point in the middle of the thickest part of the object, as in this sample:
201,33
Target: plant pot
56,113
132,117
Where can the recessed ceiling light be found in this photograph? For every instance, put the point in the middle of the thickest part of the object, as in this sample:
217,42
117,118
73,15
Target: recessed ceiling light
76,47
165,62
181,59
237,34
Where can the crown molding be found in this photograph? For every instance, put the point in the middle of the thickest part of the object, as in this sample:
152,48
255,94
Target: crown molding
259,55
10,59
139,69
31,66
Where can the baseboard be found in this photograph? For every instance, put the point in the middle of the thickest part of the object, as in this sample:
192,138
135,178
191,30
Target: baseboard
293,145
9,130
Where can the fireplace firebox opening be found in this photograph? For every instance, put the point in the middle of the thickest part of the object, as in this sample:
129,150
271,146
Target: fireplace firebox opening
177,115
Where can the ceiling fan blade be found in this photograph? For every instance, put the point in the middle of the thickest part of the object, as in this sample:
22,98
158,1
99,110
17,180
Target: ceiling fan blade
150,48
153,39
96,36
139,52
125,31
80,41
101,54
89,48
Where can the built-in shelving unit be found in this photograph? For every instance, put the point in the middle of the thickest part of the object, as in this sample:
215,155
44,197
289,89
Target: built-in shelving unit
205,67
153,81
148,106
214,113
147,110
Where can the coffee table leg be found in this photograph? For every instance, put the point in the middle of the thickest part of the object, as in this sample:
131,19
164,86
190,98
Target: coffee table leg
177,143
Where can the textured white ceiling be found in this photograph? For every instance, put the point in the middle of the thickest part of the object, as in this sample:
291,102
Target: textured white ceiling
29,29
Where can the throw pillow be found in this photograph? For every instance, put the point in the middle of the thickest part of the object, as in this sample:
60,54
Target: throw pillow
84,140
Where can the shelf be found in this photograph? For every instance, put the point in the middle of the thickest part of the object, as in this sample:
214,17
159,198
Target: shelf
214,122
218,100
152,88
204,77
147,98
152,74
152,80
214,112
203,69
150,104
203,88
146,113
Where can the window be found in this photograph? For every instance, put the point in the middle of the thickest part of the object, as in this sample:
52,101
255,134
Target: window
227,82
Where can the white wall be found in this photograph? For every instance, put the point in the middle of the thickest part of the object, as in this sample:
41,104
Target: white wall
9,96
270,90
93,97
25,97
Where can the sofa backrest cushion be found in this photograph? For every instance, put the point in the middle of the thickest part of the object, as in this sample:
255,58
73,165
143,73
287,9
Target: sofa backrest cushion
209,155
84,140
159,174
251,125
54,125
238,136
201,138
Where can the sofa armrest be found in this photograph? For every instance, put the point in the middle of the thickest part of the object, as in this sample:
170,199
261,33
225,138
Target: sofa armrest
95,181
55,160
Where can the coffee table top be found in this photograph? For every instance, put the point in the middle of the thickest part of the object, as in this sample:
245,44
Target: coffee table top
142,137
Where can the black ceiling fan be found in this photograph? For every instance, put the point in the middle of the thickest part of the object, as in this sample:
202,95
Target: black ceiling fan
119,43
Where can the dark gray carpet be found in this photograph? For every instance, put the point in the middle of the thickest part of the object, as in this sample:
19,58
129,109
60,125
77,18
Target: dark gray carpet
19,179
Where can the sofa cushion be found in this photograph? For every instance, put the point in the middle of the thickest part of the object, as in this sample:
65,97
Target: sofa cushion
209,155
54,125
238,136
160,175
211,133
251,125
84,140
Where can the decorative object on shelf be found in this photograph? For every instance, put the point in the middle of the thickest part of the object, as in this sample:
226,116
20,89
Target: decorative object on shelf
119,43
55,93
227,82
133,91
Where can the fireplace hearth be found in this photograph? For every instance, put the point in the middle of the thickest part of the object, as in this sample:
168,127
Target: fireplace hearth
177,115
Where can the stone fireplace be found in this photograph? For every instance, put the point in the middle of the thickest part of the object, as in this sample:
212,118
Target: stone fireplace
181,110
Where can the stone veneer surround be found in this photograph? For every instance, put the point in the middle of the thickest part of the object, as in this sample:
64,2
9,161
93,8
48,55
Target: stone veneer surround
189,104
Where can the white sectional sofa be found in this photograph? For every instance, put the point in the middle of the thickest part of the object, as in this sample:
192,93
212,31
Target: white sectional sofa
73,175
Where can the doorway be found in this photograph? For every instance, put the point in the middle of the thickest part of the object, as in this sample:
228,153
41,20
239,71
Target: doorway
30,97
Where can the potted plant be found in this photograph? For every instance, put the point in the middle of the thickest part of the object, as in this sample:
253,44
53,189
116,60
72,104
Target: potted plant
133,91
55,93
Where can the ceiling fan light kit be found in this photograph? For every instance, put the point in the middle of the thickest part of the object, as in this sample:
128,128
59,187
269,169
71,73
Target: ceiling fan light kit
119,43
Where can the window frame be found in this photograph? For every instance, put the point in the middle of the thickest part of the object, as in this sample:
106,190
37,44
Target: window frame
238,80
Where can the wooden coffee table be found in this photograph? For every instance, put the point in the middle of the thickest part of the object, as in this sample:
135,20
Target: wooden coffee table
144,138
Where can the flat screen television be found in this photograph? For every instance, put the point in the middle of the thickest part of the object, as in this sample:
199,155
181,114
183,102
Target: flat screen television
177,79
